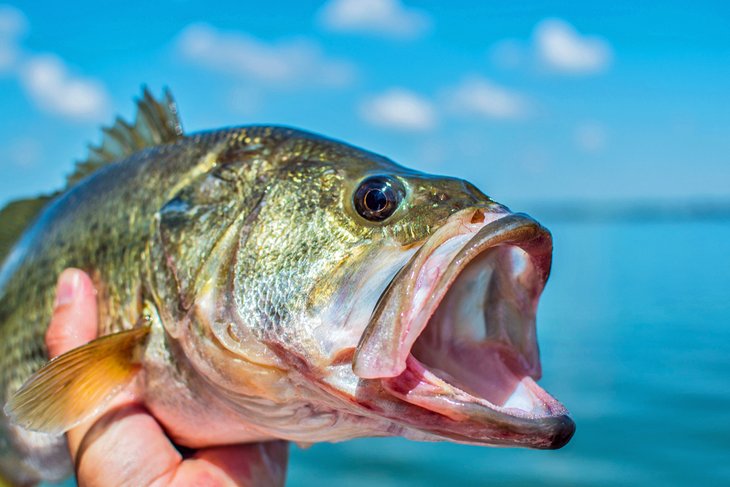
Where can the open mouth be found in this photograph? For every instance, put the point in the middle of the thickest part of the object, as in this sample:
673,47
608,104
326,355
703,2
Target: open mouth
455,332
481,338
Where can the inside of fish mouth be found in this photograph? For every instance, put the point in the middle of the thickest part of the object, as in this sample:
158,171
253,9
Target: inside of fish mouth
481,338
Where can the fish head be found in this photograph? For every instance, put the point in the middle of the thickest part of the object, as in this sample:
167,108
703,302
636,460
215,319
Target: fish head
405,302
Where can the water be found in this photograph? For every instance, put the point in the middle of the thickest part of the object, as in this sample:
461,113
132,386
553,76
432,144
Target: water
634,329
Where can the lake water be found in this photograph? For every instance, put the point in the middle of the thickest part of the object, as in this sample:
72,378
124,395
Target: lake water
634,329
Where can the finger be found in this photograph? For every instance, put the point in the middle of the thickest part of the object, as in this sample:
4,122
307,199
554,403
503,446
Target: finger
74,314
126,446
73,324
253,465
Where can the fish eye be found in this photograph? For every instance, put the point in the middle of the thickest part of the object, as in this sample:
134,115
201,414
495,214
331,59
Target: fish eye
378,197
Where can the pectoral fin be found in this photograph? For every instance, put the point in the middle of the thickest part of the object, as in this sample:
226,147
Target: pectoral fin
75,386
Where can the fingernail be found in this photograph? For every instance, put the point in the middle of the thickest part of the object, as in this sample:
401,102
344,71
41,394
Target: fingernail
67,288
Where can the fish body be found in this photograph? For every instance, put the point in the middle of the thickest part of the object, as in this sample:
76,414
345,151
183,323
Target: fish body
289,286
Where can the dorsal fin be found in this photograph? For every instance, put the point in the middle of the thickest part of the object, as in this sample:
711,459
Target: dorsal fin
156,123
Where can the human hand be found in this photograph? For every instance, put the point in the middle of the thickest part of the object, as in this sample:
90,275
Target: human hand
125,445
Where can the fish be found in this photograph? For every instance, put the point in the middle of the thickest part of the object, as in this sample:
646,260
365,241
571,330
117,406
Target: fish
264,282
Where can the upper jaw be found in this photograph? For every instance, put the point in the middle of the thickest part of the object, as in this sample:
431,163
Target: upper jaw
410,300
454,333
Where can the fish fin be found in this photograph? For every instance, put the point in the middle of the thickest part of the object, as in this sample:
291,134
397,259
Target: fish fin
76,385
15,217
156,123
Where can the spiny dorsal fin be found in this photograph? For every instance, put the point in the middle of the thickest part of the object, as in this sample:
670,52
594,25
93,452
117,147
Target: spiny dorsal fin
14,219
156,123
75,386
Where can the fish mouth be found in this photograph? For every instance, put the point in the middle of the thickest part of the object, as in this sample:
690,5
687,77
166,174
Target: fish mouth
454,334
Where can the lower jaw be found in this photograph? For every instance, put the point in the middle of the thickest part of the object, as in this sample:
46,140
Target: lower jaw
448,412
491,371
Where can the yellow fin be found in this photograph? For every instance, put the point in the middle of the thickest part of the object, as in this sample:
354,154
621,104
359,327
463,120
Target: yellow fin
75,386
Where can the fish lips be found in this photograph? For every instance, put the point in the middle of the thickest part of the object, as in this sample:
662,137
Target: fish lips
507,409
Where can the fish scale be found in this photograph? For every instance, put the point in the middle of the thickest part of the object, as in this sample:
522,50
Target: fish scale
90,227
251,297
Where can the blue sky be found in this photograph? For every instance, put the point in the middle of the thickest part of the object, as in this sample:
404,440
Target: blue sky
530,100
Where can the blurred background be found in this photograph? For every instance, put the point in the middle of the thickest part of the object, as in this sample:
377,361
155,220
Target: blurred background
607,121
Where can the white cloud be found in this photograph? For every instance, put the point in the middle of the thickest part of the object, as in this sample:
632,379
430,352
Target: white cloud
47,81
45,77
13,26
384,17
560,47
293,62
480,96
590,137
399,109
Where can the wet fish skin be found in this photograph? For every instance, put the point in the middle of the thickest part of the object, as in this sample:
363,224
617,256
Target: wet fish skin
286,310
103,226
155,230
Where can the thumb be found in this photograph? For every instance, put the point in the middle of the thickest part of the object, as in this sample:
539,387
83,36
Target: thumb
74,320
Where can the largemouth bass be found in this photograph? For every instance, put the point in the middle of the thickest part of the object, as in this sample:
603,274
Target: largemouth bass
265,282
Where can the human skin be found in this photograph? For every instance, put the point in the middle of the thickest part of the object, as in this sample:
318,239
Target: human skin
126,445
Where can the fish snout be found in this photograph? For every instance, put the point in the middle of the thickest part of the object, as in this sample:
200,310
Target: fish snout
454,333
